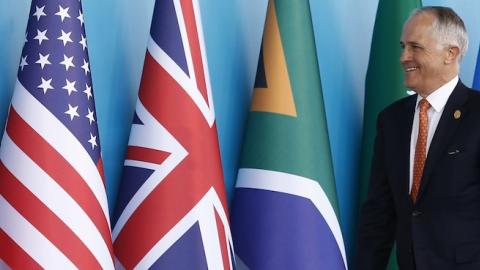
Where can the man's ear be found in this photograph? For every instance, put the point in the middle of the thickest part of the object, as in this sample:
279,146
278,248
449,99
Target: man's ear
452,54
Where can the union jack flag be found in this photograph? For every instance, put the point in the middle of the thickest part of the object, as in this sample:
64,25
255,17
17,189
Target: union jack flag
53,205
172,210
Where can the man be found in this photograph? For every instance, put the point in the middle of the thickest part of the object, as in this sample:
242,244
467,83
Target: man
424,189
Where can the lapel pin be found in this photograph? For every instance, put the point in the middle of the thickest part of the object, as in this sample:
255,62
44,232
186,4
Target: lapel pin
457,114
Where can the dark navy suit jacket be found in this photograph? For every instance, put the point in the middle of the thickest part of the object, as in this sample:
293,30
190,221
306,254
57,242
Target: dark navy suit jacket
442,229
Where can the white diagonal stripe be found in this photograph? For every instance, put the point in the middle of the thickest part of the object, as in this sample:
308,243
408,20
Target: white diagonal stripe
30,239
150,135
201,42
55,198
203,213
185,42
295,185
210,231
61,139
118,264
188,84
3,265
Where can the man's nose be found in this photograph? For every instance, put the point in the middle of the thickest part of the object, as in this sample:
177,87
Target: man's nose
405,55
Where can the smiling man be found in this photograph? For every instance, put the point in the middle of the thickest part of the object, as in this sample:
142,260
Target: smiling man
424,189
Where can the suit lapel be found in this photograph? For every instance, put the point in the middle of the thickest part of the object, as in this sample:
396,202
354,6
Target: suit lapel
405,132
445,129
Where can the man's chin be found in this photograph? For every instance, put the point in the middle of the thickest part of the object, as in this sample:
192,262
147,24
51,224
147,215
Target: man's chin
410,86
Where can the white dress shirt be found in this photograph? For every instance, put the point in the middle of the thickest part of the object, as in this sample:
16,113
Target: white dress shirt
437,100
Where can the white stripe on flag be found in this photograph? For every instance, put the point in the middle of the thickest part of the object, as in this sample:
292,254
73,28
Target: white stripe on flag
31,240
55,198
3,265
154,136
118,264
188,84
61,139
206,109
295,185
191,77
209,231
240,264
203,213
201,41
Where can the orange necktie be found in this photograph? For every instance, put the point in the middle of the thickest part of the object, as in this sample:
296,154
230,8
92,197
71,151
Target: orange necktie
420,149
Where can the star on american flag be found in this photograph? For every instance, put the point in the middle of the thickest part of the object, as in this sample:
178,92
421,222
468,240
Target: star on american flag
53,204
60,67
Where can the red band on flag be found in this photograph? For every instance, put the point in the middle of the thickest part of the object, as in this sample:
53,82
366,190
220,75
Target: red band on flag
14,256
53,163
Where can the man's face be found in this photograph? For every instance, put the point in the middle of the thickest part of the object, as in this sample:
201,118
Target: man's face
423,57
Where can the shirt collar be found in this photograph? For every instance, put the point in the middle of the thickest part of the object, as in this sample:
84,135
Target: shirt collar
439,97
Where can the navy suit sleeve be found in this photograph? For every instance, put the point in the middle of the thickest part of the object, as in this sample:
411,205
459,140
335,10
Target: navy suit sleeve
377,217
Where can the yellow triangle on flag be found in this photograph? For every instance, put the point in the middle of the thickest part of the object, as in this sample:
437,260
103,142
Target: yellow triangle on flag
277,97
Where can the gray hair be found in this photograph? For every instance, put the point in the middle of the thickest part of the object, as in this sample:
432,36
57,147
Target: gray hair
448,26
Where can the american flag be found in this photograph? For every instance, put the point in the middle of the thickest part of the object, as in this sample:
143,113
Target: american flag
172,210
53,205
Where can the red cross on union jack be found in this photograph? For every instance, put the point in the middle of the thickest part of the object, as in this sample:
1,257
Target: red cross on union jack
172,209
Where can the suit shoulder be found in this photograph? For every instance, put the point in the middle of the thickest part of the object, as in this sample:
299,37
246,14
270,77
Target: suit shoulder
473,101
399,106
473,95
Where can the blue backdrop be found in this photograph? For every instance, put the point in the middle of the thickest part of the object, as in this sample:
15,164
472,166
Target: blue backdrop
117,32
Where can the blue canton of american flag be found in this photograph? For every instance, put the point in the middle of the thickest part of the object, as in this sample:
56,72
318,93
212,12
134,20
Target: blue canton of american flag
53,205
55,69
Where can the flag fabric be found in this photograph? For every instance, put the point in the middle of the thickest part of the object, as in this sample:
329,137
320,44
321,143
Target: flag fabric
384,81
285,212
172,210
53,205
476,77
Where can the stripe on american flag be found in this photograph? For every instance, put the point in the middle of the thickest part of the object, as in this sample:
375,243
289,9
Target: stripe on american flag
44,220
14,255
61,139
71,199
28,237
54,206
58,169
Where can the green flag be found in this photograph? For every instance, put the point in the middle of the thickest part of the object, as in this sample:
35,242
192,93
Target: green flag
384,83
285,211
